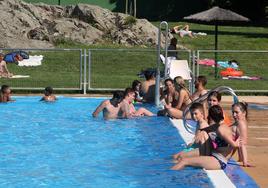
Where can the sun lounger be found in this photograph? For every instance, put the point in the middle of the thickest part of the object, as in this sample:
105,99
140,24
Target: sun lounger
179,68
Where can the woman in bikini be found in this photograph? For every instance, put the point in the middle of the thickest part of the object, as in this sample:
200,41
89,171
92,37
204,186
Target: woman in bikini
222,144
240,113
170,97
183,99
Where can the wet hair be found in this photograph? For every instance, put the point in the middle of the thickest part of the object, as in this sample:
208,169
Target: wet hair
173,41
128,90
135,83
149,74
4,88
202,79
215,94
117,98
197,106
243,106
215,113
48,90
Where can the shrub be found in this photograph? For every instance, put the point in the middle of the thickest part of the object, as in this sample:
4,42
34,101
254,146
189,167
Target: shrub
129,20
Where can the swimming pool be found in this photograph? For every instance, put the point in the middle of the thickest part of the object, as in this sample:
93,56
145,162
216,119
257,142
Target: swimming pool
60,145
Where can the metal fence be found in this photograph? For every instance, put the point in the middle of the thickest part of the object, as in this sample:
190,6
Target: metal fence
252,64
111,69
60,68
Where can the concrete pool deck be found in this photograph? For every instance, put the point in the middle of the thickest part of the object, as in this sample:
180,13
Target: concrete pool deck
257,137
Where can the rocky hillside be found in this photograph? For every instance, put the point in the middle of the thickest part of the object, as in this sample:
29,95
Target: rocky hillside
24,25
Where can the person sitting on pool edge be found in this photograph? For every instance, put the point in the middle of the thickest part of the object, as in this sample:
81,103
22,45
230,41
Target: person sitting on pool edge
48,95
198,114
222,144
110,107
5,94
127,109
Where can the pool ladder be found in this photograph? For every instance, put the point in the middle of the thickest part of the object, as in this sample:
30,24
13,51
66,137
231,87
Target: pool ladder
221,89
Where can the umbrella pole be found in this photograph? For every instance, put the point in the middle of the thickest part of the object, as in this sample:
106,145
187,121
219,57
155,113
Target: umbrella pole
216,48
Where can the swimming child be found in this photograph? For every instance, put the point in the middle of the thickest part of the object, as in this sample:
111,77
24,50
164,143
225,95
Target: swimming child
5,94
111,107
127,109
48,95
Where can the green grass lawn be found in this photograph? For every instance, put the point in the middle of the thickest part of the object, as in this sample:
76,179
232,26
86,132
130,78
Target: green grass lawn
118,68
232,38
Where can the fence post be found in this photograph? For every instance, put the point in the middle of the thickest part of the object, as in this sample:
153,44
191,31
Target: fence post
85,72
89,69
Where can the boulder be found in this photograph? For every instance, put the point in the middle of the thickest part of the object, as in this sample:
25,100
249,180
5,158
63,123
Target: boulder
25,25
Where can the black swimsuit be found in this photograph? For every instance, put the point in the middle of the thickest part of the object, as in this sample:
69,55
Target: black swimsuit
216,141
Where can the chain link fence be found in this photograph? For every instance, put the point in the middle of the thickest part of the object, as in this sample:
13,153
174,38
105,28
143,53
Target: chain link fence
59,68
111,69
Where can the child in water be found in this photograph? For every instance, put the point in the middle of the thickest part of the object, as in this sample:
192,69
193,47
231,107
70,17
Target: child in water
5,94
48,95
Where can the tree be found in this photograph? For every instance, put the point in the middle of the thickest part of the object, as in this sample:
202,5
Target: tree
131,7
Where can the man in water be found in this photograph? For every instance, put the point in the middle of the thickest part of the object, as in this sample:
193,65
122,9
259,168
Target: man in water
110,107
200,86
148,86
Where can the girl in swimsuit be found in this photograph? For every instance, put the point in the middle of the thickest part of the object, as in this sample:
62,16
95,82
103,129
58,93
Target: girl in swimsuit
240,112
214,98
223,144
170,96
182,99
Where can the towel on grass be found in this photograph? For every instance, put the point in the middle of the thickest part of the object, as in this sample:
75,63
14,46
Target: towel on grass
222,64
20,76
242,78
35,60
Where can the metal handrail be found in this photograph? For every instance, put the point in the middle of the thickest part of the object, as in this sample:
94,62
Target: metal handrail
220,89
157,83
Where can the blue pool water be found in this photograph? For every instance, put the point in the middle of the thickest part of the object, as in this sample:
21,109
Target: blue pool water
60,145
258,106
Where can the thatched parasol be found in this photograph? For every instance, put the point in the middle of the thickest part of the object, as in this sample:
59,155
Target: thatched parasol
216,16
